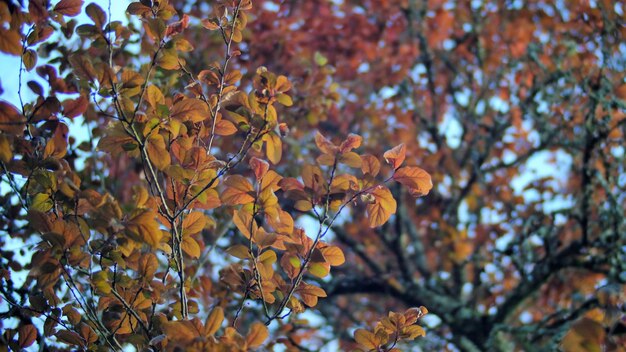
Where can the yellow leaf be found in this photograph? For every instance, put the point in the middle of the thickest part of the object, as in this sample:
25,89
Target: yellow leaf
320,270
257,335
41,202
273,147
239,251
213,321
6,154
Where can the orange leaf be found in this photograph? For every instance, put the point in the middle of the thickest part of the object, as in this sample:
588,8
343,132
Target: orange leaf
257,335
213,321
352,142
334,255
225,128
382,208
324,145
190,246
157,151
244,221
366,339
194,222
395,156
238,191
418,180
69,7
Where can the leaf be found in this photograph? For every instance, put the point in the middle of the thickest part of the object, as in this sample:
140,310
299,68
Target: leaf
334,255
324,145
416,179
320,270
41,202
273,147
6,154
144,227
213,321
30,59
157,152
11,120
225,128
154,96
257,335
190,246
10,42
259,167
75,107
352,142
27,335
396,156
412,331
366,339
244,221
238,191
96,14
69,7
70,337
193,110
239,251
384,205
193,223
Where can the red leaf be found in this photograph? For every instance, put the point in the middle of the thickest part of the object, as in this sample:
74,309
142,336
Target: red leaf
259,167
352,142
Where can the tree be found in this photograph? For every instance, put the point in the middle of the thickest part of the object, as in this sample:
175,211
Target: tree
238,150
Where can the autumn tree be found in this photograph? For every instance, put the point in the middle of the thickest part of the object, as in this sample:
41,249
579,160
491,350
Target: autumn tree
234,175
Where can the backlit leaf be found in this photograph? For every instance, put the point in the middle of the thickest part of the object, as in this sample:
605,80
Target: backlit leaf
417,180
69,7
395,156
383,207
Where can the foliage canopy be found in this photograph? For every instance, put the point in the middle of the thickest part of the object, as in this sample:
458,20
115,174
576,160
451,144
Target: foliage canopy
238,175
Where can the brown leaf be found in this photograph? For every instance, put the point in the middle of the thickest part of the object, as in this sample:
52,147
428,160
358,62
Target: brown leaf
10,42
75,107
27,335
69,7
